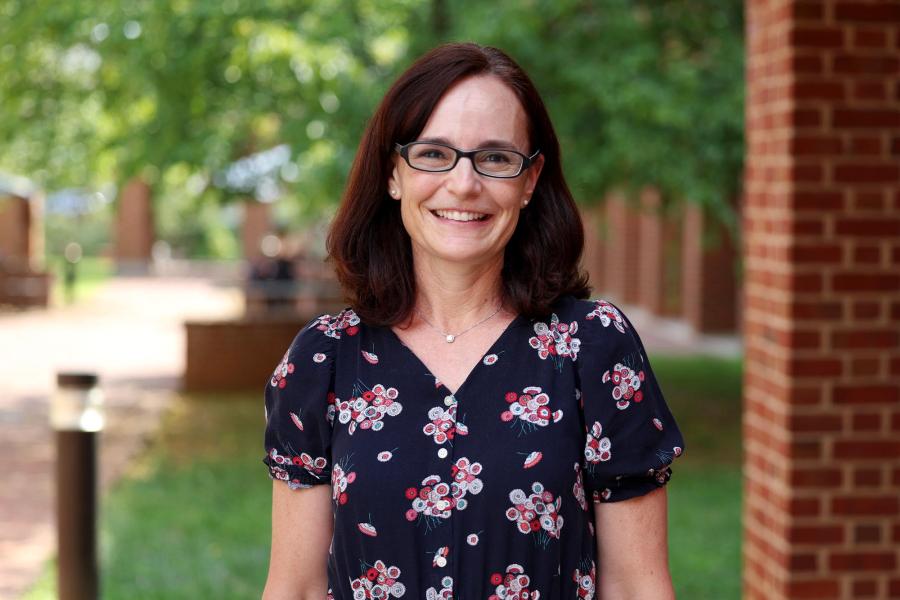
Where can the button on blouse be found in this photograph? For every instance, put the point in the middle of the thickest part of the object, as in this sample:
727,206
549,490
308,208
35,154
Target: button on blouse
483,494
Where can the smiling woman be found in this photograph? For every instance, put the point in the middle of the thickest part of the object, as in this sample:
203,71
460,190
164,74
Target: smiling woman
486,431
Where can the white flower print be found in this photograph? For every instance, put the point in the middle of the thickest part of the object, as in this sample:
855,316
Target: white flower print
378,582
346,321
597,449
529,410
284,368
556,340
313,466
445,593
339,482
436,498
368,410
512,585
627,382
608,314
578,488
443,426
586,580
536,513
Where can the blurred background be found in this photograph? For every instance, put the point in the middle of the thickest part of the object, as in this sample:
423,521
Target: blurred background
168,170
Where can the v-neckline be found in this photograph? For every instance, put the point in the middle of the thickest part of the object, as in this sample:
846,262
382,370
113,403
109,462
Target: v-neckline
473,370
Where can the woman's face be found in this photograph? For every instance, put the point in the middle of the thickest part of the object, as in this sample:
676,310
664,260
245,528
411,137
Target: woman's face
460,215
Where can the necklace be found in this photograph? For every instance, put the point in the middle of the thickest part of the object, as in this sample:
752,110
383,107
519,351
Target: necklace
451,337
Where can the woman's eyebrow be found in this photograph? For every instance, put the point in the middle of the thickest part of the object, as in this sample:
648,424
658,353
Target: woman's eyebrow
492,143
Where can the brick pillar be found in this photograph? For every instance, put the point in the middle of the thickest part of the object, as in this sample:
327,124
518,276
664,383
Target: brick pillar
709,289
822,300
135,232
658,274
15,230
593,261
257,225
622,243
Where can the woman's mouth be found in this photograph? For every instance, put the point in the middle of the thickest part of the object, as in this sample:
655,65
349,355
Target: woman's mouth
459,215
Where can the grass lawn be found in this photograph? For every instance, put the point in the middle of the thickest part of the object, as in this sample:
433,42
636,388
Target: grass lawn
191,520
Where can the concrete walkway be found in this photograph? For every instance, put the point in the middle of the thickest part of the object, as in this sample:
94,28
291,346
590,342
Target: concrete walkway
130,332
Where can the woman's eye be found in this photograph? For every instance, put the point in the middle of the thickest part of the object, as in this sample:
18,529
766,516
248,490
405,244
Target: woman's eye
495,157
430,153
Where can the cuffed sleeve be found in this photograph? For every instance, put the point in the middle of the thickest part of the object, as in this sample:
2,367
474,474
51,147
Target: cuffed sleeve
631,437
299,401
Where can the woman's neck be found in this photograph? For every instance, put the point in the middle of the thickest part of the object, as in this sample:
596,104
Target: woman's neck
453,296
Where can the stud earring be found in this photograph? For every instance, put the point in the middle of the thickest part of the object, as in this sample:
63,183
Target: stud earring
394,193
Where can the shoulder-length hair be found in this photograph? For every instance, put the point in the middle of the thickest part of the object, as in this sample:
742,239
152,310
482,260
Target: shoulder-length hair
368,244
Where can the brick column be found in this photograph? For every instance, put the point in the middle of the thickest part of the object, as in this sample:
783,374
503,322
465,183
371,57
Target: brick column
135,231
658,265
822,300
15,230
622,243
257,225
709,288
593,260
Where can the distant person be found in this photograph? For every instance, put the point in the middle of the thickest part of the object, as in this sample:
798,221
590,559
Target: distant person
486,432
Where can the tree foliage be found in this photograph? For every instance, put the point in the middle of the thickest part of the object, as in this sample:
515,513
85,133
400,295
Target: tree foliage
641,91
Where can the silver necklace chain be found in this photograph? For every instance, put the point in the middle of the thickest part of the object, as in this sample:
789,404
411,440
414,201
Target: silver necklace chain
451,337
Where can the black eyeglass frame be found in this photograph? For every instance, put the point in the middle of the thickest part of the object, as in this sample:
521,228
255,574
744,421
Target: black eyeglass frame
527,161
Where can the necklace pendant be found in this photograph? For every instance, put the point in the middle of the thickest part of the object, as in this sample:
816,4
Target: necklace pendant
450,338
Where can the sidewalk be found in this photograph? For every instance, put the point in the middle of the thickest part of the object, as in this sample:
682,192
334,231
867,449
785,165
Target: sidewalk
131,334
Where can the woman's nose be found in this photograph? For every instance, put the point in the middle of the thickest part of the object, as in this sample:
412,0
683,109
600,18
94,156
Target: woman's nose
463,180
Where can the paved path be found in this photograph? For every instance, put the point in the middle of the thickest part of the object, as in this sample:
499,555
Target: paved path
130,333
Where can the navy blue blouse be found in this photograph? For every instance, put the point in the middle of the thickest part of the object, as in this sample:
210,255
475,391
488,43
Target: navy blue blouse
484,494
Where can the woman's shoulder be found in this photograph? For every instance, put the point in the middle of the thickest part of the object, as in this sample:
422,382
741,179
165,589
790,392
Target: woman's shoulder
596,313
338,325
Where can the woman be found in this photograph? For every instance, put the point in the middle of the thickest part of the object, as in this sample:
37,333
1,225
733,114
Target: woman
486,433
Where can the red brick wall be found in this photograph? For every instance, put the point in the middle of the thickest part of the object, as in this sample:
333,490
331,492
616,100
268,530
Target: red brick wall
821,227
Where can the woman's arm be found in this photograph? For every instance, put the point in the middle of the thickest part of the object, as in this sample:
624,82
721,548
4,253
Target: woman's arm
632,549
302,525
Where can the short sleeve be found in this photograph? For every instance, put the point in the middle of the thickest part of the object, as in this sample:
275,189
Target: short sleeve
631,437
300,409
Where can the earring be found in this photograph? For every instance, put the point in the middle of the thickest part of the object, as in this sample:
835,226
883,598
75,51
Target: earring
524,203
394,193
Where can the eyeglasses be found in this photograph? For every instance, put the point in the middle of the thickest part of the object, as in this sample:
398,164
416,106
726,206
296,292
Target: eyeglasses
491,162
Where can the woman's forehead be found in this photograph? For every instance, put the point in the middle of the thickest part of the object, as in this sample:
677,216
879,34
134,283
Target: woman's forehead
478,112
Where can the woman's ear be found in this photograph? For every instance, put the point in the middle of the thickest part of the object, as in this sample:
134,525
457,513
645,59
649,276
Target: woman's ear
532,175
393,184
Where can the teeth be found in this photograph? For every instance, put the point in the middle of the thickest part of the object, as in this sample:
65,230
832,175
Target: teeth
457,215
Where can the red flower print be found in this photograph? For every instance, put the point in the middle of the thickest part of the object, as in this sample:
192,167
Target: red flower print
536,513
369,409
597,449
556,340
627,382
512,585
608,315
586,581
284,368
531,410
345,321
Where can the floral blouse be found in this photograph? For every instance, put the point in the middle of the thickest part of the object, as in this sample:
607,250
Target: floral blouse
484,494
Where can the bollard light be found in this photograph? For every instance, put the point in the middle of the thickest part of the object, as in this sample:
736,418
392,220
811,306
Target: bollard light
76,413
77,404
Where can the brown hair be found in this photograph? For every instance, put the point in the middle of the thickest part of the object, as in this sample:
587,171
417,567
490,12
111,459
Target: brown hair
368,244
